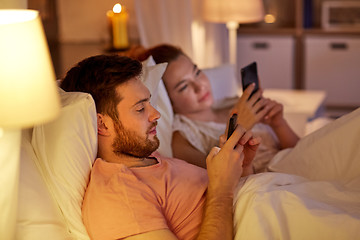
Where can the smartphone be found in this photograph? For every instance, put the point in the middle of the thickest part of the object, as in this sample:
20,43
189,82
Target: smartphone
249,75
232,125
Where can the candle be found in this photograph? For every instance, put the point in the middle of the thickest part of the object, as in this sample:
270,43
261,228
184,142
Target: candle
118,18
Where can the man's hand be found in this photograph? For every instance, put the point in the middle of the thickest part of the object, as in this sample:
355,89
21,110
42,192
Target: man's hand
224,166
250,144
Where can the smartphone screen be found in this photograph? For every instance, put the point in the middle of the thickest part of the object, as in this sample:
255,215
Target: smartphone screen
232,125
249,75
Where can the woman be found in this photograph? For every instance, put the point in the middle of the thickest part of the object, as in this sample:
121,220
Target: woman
198,126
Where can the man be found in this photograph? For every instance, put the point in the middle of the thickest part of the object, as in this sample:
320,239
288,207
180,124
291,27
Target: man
133,192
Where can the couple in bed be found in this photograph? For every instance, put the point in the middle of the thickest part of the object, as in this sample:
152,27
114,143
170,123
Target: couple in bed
198,125
133,192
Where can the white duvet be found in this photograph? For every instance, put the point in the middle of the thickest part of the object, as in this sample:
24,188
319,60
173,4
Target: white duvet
283,206
314,194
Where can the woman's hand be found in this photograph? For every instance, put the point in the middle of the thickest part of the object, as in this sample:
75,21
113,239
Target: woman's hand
275,114
249,110
274,117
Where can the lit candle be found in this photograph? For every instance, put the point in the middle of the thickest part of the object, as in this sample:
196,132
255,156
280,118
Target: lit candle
118,18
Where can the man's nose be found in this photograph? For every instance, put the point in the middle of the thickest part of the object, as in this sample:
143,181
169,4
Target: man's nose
155,114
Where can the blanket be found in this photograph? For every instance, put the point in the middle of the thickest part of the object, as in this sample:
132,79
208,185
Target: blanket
314,192
283,206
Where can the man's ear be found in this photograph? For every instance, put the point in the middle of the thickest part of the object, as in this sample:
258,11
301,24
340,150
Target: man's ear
102,125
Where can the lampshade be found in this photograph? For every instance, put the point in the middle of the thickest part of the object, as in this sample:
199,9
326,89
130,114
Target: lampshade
28,92
240,11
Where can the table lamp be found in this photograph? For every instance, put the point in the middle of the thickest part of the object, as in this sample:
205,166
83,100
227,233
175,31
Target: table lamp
28,96
233,12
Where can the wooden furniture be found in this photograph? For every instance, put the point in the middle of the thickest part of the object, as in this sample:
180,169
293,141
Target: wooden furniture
296,60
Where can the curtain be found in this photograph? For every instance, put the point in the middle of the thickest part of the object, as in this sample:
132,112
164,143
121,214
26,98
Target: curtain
179,22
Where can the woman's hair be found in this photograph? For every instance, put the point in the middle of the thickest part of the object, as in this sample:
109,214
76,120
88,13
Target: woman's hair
100,76
161,53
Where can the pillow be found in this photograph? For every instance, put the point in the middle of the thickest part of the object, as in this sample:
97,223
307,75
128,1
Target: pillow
151,77
38,214
66,149
152,74
223,82
331,152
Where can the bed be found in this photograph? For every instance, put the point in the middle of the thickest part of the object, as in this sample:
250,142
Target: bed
56,159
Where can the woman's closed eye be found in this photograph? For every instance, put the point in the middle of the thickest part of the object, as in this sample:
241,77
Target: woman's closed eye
198,72
182,88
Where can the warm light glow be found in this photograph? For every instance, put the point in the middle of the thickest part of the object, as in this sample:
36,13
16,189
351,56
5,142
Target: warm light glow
269,18
14,16
28,91
233,12
1,132
241,11
117,8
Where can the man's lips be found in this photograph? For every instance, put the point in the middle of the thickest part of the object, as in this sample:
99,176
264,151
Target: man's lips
152,129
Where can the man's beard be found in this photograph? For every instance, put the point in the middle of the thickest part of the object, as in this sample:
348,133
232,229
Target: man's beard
130,143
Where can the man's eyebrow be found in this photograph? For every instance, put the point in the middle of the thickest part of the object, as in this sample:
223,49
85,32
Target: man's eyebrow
142,101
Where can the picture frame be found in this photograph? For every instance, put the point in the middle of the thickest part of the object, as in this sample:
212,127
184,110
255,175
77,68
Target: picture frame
340,15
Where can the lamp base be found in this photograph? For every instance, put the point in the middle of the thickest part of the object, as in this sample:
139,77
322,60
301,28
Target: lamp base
10,140
232,28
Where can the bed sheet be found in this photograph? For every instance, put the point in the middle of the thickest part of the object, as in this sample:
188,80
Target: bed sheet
313,191
330,153
283,206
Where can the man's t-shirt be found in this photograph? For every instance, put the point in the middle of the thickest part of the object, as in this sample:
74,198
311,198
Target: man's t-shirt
121,201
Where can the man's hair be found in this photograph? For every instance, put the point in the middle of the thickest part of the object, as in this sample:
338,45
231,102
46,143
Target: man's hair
100,76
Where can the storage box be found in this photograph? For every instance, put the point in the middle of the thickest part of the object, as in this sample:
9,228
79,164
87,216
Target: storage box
341,15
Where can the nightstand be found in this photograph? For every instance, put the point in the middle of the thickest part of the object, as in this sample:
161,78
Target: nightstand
300,106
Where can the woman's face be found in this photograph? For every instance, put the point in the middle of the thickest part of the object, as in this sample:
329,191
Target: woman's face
188,87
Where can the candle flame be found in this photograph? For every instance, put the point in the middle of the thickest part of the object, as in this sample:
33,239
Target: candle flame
117,8
269,18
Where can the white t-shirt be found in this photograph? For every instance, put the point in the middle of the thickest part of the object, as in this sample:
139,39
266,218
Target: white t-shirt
205,135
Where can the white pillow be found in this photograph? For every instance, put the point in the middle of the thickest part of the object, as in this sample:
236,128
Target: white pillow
152,74
38,215
332,152
66,149
223,82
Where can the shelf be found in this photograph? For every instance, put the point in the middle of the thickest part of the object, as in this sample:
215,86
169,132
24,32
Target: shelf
267,31
319,31
289,17
296,32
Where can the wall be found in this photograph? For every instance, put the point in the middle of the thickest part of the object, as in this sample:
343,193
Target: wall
85,20
7,4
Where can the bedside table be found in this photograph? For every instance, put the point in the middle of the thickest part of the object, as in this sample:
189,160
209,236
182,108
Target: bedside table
299,106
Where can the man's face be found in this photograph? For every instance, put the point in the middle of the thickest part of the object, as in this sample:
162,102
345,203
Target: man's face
136,131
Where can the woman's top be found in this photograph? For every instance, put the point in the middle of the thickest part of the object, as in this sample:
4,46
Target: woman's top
204,135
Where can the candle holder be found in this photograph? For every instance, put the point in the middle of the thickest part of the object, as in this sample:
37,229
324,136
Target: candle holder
117,22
